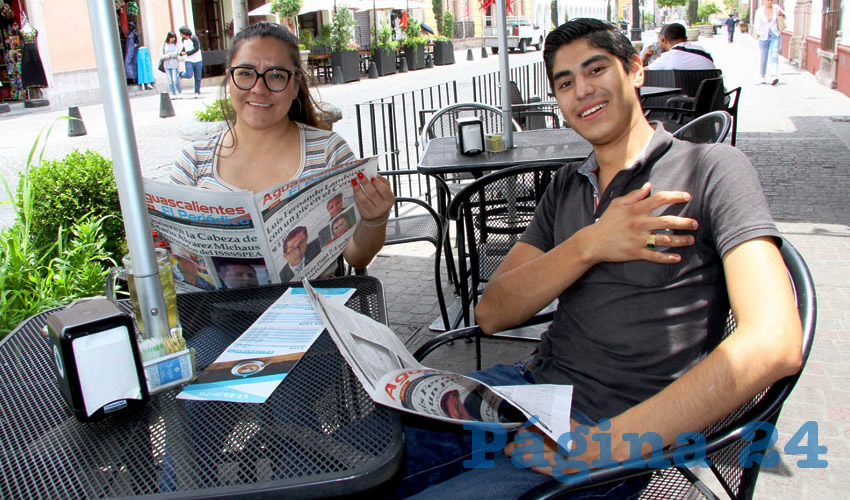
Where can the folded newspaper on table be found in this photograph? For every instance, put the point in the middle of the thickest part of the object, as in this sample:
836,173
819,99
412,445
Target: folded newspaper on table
238,238
393,377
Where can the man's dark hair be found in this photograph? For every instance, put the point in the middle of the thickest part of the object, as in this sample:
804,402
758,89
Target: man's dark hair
185,30
598,33
674,31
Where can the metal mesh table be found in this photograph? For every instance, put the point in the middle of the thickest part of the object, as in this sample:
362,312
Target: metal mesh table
318,435
441,156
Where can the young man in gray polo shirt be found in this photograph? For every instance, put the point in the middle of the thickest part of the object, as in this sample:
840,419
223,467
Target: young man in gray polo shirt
646,246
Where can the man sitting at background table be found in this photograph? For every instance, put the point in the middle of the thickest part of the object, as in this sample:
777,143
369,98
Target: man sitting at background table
678,52
646,245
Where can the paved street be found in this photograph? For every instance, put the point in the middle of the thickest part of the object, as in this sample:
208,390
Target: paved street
797,134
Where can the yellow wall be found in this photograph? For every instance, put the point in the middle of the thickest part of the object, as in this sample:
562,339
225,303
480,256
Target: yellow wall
68,31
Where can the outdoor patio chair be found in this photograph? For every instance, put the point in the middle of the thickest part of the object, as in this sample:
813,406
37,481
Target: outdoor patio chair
724,439
680,110
490,214
429,226
443,123
708,128
730,101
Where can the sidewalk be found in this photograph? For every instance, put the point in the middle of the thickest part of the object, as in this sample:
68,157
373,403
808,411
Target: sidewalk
797,134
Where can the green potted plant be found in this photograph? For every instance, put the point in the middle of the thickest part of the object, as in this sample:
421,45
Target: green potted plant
345,53
703,13
385,51
444,49
745,22
414,45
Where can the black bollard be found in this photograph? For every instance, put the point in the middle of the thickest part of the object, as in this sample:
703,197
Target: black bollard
373,70
76,127
429,61
166,109
403,68
469,55
483,52
337,78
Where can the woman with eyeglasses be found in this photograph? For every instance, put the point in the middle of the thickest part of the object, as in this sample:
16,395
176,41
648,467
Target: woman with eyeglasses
274,134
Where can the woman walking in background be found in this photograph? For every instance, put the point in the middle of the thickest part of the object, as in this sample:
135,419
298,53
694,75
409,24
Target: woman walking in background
767,24
170,52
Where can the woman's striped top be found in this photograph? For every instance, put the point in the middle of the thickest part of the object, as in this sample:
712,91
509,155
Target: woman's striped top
197,164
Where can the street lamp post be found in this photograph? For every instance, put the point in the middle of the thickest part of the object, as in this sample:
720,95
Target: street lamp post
636,20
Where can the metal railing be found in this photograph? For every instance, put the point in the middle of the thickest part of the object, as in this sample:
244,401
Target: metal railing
391,126
531,80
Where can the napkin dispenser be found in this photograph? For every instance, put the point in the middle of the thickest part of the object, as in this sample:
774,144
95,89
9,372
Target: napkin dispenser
96,359
470,136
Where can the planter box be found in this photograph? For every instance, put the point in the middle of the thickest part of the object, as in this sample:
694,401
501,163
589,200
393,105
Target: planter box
415,57
693,34
444,53
706,30
349,62
385,60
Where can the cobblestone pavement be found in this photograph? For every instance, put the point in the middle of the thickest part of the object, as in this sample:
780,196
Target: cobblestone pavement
797,135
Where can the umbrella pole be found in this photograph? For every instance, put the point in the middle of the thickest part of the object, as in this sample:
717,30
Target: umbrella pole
504,74
128,175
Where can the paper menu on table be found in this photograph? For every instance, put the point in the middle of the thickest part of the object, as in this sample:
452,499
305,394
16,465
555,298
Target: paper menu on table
252,367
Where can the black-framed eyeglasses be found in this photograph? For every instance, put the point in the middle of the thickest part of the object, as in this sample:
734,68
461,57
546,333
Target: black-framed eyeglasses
245,77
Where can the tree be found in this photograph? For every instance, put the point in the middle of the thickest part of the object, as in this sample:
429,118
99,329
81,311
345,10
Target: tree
693,5
707,10
671,3
287,9
438,15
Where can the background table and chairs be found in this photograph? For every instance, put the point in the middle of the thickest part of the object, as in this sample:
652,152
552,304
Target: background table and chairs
318,435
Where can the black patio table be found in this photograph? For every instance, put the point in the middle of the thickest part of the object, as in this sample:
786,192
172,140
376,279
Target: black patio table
318,435
441,156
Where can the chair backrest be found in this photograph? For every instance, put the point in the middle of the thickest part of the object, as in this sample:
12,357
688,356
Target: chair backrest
658,78
514,93
724,439
491,213
708,128
730,102
709,96
689,79
444,122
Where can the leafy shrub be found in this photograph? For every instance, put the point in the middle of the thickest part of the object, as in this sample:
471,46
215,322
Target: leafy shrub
215,111
64,192
34,278
40,268
342,36
385,37
448,25
707,10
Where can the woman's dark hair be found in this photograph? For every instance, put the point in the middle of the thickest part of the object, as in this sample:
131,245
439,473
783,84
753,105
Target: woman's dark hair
169,36
303,107
598,33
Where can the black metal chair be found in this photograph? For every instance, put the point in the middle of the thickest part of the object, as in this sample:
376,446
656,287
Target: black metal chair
680,110
429,226
724,439
490,214
730,101
708,128
443,123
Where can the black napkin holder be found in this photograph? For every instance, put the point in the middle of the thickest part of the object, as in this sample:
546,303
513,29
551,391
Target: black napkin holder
96,359
470,136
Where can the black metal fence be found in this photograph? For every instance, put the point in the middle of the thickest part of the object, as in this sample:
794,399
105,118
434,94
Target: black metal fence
464,29
391,126
531,80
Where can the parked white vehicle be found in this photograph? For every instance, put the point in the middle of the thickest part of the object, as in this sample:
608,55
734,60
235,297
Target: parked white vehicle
522,34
